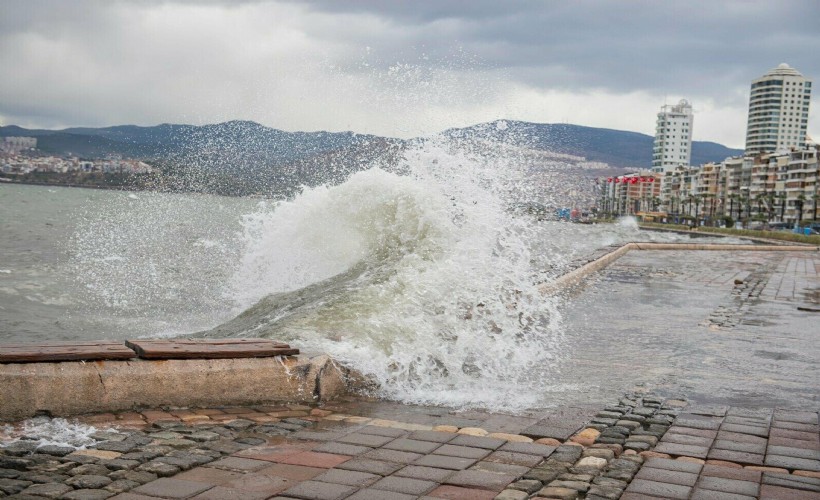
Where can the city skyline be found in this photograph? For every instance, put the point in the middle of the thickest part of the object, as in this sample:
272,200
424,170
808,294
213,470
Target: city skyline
396,69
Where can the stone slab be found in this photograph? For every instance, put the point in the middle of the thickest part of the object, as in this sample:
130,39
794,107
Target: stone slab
792,463
406,485
462,451
481,479
736,486
317,490
661,490
667,476
172,488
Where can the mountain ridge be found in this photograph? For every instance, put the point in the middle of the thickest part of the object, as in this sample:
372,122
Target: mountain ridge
242,139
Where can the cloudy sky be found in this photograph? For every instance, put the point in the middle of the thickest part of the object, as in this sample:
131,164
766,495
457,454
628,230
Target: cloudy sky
397,68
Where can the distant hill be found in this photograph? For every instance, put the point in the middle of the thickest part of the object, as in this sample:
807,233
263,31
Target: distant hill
244,157
243,141
232,139
618,148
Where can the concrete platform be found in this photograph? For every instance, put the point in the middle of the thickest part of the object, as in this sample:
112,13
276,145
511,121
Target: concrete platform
74,388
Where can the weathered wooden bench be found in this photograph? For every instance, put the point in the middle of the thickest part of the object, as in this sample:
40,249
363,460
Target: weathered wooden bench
146,349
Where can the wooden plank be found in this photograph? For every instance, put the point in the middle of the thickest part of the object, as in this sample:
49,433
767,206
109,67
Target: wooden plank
190,341
64,351
209,348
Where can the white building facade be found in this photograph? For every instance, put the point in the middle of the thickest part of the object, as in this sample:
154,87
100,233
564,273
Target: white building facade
673,137
778,111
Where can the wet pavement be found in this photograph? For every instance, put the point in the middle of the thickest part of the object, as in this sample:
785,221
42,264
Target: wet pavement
699,376
711,326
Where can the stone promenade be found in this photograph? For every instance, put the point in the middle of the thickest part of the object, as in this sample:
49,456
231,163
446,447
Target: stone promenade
641,446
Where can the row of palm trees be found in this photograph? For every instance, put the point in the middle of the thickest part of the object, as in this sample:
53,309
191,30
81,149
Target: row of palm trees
766,206
737,206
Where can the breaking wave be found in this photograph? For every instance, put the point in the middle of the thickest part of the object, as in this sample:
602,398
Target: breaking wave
423,280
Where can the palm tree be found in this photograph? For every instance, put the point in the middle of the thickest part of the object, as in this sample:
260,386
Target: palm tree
814,198
798,203
711,197
769,207
698,199
689,199
782,198
759,199
732,198
743,201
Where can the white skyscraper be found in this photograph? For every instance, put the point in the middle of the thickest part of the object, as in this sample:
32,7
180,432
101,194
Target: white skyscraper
778,111
673,137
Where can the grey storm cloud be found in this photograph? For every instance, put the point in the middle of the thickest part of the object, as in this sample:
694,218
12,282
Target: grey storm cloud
620,45
328,64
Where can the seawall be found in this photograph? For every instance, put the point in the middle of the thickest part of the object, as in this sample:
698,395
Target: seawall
77,387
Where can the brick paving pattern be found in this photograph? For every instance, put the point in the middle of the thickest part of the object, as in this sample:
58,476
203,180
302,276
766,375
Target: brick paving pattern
642,447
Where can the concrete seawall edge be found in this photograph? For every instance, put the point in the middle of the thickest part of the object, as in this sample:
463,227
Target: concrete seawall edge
72,388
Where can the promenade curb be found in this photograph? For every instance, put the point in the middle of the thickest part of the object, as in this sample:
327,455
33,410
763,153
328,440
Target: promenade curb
576,276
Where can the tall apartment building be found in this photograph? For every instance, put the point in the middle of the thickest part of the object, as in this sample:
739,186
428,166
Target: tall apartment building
673,137
778,111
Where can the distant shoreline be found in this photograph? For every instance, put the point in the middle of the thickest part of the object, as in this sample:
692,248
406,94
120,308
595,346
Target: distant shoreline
9,182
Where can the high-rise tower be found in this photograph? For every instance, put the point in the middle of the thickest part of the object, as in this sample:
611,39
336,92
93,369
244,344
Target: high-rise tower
778,111
673,137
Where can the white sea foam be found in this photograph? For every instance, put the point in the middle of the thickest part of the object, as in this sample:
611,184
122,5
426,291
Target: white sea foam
447,310
628,222
52,431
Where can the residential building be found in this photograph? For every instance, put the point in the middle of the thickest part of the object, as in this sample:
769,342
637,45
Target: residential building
673,137
755,189
632,193
17,144
778,111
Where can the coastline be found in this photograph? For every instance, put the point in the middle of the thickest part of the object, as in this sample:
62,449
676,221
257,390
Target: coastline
70,185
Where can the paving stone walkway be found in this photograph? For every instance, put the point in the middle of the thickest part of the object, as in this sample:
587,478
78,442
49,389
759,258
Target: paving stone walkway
641,447
734,453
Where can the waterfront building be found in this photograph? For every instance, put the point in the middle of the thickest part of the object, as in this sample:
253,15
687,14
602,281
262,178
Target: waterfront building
632,193
800,185
17,144
756,190
673,137
778,111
